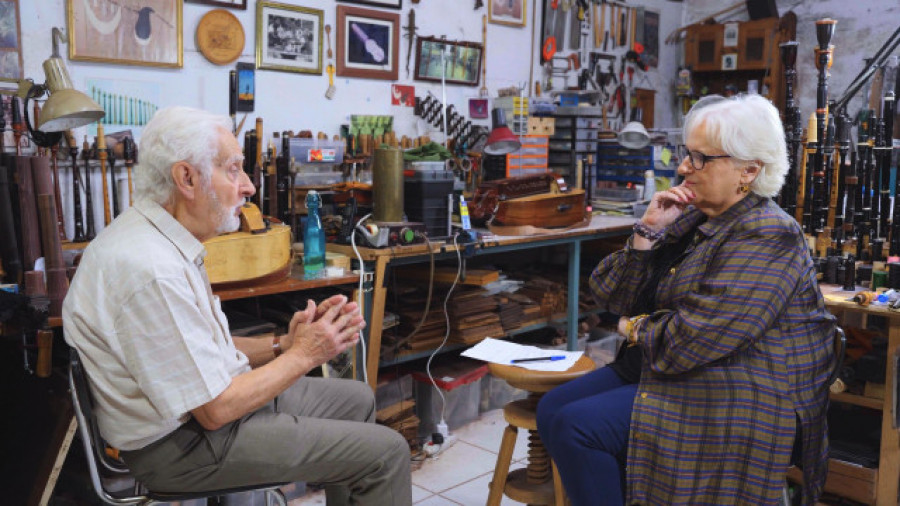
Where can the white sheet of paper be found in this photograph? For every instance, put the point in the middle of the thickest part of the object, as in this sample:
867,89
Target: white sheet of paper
504,352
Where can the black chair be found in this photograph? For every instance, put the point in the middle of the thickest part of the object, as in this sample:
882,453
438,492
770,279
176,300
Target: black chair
840,347
95,450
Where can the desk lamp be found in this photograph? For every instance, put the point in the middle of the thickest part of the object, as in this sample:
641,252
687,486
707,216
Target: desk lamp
501,140
633,136
65,108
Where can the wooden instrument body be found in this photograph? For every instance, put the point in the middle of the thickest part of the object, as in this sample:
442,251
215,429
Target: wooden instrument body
540,200
249,257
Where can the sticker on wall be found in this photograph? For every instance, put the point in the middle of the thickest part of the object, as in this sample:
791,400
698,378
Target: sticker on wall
129,105
478,108
402,94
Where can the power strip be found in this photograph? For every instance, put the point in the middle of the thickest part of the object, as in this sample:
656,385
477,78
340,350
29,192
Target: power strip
433,450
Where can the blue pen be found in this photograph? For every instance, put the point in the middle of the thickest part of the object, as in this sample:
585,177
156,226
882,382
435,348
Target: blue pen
539,359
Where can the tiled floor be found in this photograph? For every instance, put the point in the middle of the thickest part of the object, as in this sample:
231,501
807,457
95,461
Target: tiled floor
460,474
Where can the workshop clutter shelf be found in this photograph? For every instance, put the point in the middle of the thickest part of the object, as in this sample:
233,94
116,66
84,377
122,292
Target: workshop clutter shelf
622,165
531,158
515,110
575,137
850,470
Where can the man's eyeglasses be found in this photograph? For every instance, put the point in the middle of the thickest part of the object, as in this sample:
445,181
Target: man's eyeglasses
697,159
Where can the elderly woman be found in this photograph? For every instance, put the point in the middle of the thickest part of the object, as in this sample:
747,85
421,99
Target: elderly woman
729,344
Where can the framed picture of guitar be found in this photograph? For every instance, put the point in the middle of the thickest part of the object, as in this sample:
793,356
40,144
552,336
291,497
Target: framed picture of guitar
368,43
507,12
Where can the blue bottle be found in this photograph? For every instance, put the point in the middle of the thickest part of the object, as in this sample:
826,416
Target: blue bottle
313,237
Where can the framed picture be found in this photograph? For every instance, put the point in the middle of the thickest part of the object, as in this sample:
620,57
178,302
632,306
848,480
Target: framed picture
729,61
507,12
368,43
462,61
289,38
233,4
388,4
113,32
730,35
10,41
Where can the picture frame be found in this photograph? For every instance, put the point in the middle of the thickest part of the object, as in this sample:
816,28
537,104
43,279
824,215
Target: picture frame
729,61
730,35
507,12
368,43
151,36
463,60
231,4
386,4
10,42
288,38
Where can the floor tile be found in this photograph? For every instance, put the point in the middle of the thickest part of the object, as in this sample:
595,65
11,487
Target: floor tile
419,493
437,500
458,464
475,492
487,431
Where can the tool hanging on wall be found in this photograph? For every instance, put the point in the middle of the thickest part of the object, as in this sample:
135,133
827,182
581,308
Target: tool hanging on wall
483,92
410,36
548,48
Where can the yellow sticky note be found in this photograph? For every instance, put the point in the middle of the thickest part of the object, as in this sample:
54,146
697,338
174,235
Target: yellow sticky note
665,156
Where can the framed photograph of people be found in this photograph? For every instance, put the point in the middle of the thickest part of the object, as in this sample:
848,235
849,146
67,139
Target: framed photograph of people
368,43
114,32
288,38
231,4
729,61
388,4
10,42
461,61
507,12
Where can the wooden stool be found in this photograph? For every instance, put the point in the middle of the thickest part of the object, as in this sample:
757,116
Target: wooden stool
531,485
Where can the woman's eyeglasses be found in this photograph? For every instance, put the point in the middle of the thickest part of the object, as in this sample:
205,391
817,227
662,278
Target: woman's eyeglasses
697,159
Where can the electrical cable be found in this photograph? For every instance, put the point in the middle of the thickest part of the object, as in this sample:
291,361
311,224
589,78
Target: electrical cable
400,342
362,271
447,333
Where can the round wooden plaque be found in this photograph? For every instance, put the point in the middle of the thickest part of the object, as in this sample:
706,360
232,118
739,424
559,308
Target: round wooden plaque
220,37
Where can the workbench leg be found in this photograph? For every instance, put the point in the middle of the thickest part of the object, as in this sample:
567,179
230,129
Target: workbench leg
572,304
376,320
889,460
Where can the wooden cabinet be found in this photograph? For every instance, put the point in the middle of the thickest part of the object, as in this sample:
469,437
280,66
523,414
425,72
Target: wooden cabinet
716,66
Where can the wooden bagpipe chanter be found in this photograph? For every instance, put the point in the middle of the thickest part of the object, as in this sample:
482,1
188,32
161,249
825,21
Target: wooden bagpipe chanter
540,200
259,252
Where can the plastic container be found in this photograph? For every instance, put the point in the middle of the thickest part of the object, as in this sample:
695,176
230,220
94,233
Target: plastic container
496,393
392,389
425,201
316,151
460,383
603,350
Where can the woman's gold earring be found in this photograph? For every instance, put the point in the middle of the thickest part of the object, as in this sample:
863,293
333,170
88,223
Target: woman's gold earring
744,188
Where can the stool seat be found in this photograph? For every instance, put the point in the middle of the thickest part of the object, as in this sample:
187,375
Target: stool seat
533,484
540,381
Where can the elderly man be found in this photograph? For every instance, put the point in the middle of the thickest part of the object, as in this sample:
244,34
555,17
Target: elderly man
190,407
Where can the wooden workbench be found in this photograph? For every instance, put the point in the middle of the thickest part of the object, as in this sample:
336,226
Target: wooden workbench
378,260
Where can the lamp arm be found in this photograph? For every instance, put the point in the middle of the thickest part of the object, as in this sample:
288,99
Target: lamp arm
42,139
56,37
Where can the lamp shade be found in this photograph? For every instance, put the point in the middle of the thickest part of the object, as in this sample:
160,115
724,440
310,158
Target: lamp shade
634,136
67,107
501,139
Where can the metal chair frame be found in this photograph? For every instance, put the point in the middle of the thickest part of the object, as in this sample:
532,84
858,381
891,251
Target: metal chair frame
94,449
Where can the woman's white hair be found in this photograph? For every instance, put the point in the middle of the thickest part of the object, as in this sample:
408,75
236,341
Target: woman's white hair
173,135
748,128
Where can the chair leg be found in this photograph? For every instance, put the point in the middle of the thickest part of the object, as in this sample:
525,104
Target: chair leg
559,493
501,471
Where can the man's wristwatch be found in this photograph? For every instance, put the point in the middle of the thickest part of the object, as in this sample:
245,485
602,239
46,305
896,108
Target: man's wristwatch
276,346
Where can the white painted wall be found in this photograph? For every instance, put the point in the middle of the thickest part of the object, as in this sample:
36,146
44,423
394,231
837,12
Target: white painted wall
863,27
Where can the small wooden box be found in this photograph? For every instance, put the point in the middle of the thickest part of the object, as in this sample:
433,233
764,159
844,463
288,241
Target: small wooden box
541,126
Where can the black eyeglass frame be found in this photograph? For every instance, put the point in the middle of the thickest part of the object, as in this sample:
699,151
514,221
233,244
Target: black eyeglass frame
682,149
